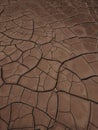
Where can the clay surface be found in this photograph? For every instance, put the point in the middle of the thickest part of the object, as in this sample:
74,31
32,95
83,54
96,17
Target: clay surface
48,64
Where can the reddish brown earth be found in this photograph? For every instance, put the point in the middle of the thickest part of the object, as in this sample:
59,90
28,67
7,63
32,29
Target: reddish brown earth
48,64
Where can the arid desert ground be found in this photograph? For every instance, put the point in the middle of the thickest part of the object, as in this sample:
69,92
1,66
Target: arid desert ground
48,64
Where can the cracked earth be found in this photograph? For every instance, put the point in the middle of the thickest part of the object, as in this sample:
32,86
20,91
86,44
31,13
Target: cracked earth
48,65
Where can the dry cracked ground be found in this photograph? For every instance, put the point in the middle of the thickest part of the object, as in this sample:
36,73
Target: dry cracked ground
48,64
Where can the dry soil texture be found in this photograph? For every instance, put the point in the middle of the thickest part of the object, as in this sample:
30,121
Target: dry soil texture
48,64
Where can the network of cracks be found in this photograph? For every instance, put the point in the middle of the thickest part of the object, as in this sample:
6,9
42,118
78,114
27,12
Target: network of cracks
48,65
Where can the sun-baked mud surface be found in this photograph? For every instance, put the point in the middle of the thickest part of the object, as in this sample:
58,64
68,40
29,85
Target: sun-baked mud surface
48,65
